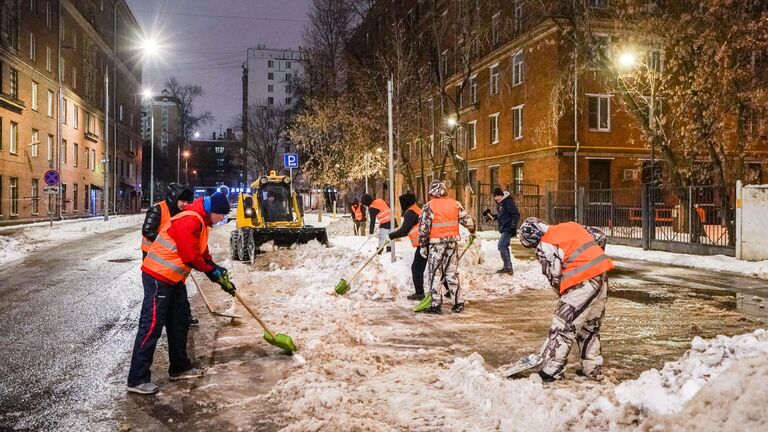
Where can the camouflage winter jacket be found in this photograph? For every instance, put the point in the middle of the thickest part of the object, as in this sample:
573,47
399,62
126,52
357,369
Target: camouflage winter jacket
551,257
425,226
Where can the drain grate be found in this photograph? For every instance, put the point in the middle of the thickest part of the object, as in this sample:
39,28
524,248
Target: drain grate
121,260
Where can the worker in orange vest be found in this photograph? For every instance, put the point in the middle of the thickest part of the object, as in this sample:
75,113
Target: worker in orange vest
358,217
378,210
573,258
176,198
410,228
438,243
181,245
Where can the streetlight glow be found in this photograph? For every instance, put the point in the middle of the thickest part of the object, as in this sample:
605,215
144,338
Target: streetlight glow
196,135
149,46
627,59
186,154
146,93
451,122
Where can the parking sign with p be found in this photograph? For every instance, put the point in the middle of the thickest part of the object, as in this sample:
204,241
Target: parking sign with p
291,160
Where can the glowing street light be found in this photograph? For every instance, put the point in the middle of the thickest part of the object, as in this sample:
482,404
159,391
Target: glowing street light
627,59
196,135
451,122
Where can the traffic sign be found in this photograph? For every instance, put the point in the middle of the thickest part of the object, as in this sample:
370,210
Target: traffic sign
51,190
51,178
291,160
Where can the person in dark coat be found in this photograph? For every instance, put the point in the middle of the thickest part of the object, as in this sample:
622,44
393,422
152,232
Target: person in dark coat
507,217
176,198
410,228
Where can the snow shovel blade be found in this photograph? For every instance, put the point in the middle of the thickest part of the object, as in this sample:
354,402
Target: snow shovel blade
342,287
281,341
425,303
525,364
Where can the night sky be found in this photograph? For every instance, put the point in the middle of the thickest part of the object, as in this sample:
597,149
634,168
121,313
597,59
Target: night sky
205,43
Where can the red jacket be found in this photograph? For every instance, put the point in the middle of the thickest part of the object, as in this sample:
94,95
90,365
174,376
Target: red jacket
186,232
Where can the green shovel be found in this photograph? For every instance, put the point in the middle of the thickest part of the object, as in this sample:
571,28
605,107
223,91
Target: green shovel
427,301
343,286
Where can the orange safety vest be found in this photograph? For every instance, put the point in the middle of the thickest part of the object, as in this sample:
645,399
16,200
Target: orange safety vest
445,222
163,257
384,215
356,209
414,233
165,216
583,260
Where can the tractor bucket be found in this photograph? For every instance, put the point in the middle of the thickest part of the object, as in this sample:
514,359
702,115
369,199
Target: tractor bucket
289,236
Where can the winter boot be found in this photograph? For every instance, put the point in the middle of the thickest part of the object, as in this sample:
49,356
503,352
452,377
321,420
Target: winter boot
505,271
547,378
187,374
434,310
416,297
596,374
193,321
147,388
458,307
447,293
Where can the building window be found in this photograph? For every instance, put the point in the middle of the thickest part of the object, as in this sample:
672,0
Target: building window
517,122
63,69
444,64
472,134
14,137
14,83
93,160
50,151
270,100
87,158
34,96
64,111
517,68
518,16
270,76
288,101
48,59
270,88
63,198
75,154
494,84
86,198
270,63
75,116
517,177
35,197
473,89
50,104
459,97
656,60
493,172
32,47
48,17
74,197
493,128
599,112
1,195
496,29
120,112
598,4
14,190
35,143
74,77
287,65
63,151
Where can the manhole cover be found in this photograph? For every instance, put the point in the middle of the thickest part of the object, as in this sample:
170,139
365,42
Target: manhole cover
121,260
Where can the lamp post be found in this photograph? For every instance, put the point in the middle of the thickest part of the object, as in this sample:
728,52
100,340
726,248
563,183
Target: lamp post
186,167
628,60
148,97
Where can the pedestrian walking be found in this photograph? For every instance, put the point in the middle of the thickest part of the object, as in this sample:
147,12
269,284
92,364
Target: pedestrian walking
410,228
378,210
573,259
177,197
358,217
507,217
438,243
181,245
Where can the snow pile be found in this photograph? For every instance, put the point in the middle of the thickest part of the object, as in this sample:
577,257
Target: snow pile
23,240
718,263
667,390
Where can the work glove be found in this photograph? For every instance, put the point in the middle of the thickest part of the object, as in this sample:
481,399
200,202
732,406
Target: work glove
227,284
217,273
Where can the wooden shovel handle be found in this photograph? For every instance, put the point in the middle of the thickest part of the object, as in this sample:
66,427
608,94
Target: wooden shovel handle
253,314
369,260
205,299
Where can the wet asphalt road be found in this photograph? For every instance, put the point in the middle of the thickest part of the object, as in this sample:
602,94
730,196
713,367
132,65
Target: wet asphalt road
67,319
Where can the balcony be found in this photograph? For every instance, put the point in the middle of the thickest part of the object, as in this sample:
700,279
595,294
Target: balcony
91,136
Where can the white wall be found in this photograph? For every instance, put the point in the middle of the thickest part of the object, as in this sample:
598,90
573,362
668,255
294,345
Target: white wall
752,223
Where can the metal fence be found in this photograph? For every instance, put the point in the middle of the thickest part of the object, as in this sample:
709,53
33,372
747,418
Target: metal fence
695,219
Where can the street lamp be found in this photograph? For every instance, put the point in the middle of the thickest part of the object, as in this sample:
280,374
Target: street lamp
628,60
147,95
186,167
196,135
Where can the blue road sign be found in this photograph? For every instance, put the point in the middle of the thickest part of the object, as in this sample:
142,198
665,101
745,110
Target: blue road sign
51,177
291,160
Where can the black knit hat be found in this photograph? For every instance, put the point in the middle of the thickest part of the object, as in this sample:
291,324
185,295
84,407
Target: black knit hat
497,191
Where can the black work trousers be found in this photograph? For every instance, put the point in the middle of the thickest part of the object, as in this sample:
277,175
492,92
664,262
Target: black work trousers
417,271
165,305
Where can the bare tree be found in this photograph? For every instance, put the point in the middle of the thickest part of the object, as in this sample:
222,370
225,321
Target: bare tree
186,95
329,29
268,128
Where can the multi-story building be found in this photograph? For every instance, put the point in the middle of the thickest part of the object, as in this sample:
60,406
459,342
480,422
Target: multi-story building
58,60
165,110
268,75
215,162
499,85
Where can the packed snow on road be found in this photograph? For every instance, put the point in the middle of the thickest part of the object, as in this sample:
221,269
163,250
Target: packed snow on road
365,361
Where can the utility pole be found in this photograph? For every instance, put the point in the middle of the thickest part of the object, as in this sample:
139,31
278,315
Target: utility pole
391,161
106,145
152,154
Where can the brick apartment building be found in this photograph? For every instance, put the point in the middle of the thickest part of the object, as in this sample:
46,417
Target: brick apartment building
54,57
511,129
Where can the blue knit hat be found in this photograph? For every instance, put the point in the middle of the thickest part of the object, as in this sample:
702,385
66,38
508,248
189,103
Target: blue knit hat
216,203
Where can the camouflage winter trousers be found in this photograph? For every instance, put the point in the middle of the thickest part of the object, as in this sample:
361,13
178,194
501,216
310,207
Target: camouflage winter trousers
443,259
577,317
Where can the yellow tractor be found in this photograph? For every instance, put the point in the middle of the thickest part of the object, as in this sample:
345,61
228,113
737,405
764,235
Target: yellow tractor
270,213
